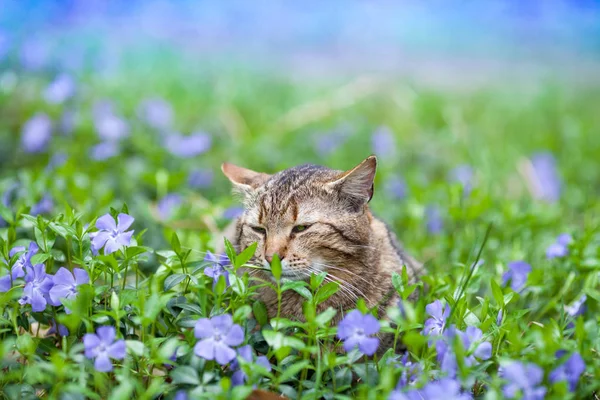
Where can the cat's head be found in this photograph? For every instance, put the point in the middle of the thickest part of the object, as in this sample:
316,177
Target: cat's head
314,218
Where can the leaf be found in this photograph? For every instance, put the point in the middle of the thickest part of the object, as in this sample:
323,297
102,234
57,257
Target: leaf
326,291
136,251
229,250
40,258
245,255
260,312
292,370
298,287
193,308
278,340
326,316
276,267
6,214
242,313
185,375
175,243
397,282
136,347
497,292
173,280
114,301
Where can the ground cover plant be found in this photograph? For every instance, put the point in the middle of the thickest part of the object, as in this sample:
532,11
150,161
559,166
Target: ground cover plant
112,204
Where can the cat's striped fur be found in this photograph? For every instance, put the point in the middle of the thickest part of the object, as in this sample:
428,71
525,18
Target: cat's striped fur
318,219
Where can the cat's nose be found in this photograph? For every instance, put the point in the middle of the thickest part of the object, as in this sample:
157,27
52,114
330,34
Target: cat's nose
270,258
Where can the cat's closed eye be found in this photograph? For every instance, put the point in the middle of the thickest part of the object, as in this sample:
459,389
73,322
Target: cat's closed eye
259,229
300,228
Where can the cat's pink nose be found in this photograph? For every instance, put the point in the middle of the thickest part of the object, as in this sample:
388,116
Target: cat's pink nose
270,258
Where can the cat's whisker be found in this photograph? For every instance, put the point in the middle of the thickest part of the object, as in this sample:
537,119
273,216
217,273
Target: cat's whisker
345,271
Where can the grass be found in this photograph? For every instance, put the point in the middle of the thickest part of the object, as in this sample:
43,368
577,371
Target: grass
155,290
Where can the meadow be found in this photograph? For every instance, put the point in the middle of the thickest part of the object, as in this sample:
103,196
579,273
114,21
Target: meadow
112,201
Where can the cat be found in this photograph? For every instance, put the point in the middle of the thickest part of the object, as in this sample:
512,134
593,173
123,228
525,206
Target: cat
317,219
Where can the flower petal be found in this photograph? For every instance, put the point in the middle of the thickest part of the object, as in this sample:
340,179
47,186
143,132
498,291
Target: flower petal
63,277
106,334
368,346
203,328
59,292
106,223
125,222
205,349
90,342
238,378
81,276
235,336
38,301
111,246
223,353
370,324
222,322
118,350
5,283
103,363
124,239
483,351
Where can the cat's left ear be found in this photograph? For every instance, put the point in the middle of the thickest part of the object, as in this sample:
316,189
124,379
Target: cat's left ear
357,184
244,180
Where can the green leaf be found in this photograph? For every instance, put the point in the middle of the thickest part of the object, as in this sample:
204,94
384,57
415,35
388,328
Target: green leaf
245,255
6,214
497,292
123,391
173,280
276,267
326,291
242,313
185,375
326,316
136,347
221,285
397,282
278,340
260,312
299,287
229,250
175,243
40,258
292,370
193,308
114,301
136,251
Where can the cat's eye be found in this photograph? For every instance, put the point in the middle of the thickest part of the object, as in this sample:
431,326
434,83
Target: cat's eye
300,228
259,229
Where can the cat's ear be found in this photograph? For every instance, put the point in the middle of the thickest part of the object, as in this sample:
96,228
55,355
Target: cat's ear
357,184
245,180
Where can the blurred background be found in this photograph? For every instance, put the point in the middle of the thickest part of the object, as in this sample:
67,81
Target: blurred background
478,111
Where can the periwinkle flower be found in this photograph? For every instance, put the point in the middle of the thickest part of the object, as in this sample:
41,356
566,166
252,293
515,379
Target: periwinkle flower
37,286
18,268
57,329
200,178
218,335
356,330
433,220
36,133
44,206
410,372
499,317
60,90
188,146
395,187
445,388
577,308
475,348
327,143
233,212
110,235
156,112
383,143
523,379
167,205
217,267
517,274
463,174
570,371
101,347
104,150
545,180
435,325
65,285
181,395
239,377
111,127
34,54
560,248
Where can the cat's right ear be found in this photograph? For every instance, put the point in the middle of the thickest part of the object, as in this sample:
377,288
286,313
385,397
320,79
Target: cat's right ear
244,180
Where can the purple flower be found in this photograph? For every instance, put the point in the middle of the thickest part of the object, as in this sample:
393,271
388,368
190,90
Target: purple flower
517,274
383,143
217,267
181,395
104,151
544,177
435,325
68,121
200,178
463,174
524,379
577,308
570,371
395,187
499,317
433,219
168,204
410,372
239,377
34,54
102,346
62,330
44,206
60,90
156,112
18,269
188,146
327,143
445,388
111,127
110,235
233,212
65,285
560,248
36,133
37,286
218,335
56,161
355,330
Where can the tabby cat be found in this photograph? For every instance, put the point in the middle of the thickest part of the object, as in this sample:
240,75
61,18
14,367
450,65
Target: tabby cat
318,220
